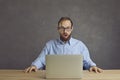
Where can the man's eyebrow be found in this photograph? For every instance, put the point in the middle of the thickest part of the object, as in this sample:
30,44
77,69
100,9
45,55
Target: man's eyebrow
64,27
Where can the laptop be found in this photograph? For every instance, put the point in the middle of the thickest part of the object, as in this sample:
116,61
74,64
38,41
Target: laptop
64,66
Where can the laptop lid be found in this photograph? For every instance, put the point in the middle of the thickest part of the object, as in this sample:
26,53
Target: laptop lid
64,66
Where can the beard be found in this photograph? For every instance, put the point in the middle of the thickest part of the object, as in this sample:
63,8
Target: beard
65,37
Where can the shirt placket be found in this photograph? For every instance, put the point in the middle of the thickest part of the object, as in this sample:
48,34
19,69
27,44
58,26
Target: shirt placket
64,49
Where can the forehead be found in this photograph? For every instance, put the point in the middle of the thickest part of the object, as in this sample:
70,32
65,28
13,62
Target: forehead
65,23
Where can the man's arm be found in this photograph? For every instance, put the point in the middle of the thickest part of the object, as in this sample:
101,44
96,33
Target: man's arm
39,62
88,63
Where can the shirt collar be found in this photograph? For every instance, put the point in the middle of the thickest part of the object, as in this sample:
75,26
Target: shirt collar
69,41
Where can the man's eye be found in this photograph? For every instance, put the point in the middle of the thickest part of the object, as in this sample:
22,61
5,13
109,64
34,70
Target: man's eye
68,28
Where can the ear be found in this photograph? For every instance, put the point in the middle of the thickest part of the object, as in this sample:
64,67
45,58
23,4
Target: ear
72,28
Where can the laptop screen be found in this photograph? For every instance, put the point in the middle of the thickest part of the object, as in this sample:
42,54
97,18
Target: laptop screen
64,66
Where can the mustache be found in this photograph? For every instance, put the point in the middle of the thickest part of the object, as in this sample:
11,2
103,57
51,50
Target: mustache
65,39
65,33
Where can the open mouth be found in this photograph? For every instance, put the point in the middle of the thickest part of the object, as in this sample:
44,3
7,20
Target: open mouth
65,35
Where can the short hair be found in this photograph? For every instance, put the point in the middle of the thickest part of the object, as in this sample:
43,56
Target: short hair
65,18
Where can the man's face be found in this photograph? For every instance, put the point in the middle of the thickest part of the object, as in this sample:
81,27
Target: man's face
65,30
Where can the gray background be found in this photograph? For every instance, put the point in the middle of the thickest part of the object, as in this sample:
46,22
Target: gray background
26,25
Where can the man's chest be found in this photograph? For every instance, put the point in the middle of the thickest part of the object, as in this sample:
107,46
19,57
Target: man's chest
65,49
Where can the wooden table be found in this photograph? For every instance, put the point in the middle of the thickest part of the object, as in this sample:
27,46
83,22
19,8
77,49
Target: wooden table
40,75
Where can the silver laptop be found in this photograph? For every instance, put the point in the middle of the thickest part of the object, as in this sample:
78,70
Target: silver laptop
64,66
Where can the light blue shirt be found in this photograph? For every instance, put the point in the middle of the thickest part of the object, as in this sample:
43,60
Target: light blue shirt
73,46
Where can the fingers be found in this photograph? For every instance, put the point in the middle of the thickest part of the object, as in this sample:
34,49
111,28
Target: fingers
90,69
30,69
35,70
100,70
95,69
27,70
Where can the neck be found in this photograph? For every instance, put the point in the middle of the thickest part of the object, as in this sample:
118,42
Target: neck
65,40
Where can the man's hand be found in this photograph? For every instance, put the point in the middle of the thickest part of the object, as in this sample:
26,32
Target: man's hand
95,69
30,69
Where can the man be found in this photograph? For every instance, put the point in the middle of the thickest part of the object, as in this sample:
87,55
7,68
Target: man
64,45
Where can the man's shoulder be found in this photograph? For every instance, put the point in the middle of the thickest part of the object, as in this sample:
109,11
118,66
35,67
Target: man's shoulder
51,41
77,41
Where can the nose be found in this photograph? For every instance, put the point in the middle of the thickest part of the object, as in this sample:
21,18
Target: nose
65,30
